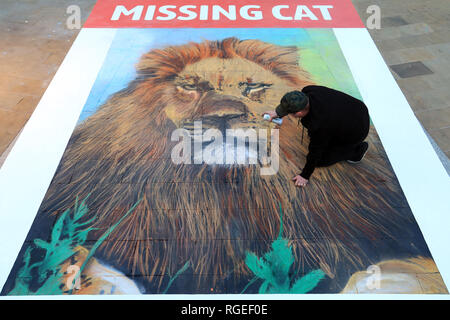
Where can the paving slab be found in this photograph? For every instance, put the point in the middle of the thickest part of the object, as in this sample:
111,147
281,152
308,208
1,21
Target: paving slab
395,21
411,69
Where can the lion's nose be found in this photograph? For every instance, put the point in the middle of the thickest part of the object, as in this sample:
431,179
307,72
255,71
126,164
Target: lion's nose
225,108
220,106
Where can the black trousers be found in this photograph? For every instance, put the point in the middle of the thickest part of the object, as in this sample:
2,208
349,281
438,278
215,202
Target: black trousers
338,153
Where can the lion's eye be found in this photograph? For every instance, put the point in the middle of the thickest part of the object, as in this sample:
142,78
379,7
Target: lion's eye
253,87
189,87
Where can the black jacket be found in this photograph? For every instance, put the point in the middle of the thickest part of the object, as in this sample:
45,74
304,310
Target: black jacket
334,119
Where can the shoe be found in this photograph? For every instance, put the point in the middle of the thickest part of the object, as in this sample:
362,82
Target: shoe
363,147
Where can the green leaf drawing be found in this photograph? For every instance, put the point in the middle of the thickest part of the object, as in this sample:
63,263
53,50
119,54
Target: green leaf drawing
103,238
67,234
183,269
274,268
308,282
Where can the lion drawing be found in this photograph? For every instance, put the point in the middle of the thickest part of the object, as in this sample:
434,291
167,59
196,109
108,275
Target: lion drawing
348,218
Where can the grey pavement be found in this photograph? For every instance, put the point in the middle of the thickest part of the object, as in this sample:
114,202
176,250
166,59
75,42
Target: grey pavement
414,40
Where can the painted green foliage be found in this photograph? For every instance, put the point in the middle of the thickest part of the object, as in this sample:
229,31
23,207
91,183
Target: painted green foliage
274,268
67,234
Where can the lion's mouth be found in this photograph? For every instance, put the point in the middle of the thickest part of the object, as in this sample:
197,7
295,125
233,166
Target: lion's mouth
221,142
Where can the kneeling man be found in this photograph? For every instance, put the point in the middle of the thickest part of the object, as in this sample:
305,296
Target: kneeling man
337,126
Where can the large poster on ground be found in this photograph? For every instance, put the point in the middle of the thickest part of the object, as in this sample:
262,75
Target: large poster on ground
173,182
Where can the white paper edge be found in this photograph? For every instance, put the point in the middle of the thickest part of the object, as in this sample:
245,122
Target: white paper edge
243,297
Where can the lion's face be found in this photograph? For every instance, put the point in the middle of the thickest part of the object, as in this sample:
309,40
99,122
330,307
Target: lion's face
224,94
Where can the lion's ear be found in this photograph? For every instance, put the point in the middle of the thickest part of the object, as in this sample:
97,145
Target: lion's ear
150,70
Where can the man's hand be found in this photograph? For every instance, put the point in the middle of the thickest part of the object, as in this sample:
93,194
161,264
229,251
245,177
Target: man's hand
299,181
272,114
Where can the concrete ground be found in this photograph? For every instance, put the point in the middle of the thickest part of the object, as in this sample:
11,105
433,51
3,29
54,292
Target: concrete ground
414,40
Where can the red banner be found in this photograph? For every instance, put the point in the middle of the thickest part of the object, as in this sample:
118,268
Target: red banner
224,14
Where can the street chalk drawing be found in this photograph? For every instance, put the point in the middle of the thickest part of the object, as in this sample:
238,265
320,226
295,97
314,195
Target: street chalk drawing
149,226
